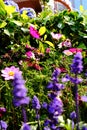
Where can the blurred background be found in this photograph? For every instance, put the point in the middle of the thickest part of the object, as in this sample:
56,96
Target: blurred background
77,3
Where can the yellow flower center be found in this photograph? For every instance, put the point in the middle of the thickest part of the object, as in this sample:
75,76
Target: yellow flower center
11,73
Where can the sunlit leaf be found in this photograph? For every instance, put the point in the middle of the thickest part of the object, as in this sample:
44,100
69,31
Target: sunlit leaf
6,32
41,47
82,45
3,24
42,30
17,22
2,7
45,37
50,43
9,9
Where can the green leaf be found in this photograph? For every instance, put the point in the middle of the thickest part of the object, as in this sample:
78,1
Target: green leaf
42,30
2,7
50,43
17,22
45,37
33,127
9,9
6,32
3,24
82,45
41,47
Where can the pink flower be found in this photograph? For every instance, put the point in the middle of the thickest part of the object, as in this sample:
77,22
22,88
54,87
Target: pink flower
56,36
66,43
9,72
47,50
67,52
75,50
34,33
30,55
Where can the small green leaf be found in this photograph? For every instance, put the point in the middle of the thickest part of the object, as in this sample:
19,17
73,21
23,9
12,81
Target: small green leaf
82,45
45,37
6,32
50,43
3,24
42,30
17,22
41,47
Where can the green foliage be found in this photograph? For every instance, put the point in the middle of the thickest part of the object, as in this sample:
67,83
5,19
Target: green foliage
15,35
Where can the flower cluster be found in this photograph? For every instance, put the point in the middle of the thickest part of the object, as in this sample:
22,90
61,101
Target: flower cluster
36,106
77,66
72,51
33,56
19,91
55,106
35,103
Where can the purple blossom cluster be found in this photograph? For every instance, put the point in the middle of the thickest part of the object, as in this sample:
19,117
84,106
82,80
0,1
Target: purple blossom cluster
20,97
36,106
19,91
76,66
36,103
55,106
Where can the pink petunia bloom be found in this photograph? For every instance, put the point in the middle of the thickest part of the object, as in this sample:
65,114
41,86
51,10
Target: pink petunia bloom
9,72
67,52
47,50
56,36
30,55
75,50
34,33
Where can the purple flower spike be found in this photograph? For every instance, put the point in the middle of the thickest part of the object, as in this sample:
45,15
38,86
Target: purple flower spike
55,107
84,128
25,126
44,105
19,91
73,115
56,73
35,103
77,66
3,125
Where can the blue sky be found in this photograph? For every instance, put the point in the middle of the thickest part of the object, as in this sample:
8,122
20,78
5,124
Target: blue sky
77,3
